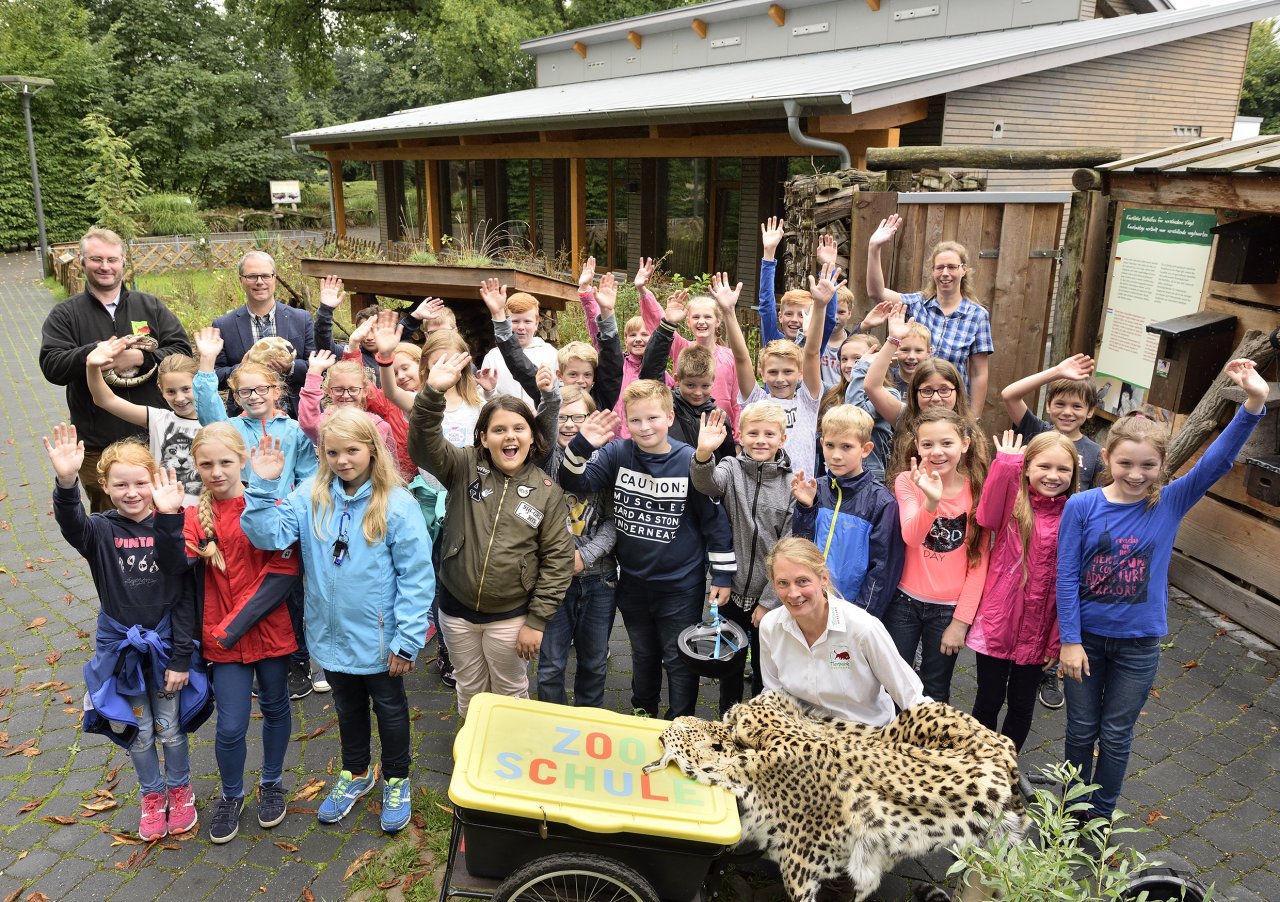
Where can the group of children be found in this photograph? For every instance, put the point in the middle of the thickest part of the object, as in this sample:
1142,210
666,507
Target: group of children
519,506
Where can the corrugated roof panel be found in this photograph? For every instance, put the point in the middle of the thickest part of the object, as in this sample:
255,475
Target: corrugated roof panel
1247,155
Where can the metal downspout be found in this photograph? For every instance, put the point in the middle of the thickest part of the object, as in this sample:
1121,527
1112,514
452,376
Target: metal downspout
793,127
333,210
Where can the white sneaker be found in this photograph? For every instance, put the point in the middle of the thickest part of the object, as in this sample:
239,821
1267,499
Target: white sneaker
319,683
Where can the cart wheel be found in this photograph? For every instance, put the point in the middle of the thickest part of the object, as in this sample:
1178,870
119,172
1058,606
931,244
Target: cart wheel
574,878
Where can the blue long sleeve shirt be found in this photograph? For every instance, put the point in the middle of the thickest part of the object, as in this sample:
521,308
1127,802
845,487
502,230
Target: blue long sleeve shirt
300,459
668,532
1113,559
768,309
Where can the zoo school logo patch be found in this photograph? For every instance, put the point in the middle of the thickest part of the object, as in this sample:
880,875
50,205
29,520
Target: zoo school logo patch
840,657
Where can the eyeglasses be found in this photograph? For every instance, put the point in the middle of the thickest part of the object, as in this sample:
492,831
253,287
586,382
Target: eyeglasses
258,276
948,267
345,392
572,418
98,261
942,393
244,394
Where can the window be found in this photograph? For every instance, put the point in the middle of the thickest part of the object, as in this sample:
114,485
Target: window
608,204
682,212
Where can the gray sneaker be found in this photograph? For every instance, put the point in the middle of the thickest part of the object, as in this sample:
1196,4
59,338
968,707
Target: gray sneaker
1050,693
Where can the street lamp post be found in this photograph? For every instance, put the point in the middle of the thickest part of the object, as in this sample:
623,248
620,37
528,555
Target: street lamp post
26,86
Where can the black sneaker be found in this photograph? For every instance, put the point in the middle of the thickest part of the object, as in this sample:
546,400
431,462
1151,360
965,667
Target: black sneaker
1051,690
270,804
446,669
226,820
300,680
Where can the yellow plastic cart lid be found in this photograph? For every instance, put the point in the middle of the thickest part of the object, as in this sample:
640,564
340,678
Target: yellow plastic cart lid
582,767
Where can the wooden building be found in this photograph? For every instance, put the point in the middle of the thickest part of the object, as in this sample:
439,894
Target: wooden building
675,131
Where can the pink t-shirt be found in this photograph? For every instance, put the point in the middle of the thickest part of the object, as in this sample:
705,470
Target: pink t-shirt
937,567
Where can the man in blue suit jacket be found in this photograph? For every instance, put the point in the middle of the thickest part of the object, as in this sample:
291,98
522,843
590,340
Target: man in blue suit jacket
262,316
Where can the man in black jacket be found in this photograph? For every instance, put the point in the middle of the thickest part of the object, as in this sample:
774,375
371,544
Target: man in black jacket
106,309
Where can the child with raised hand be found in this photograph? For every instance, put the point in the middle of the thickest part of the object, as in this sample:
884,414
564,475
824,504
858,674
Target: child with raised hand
669,536
946,549
1014,628
520,313
792,376
1070,399
754,487
152,689
507,557
850,515
360,342
169,432
635,338
851,350
786,319
366,561
332,385
1114,547
961,328
695,374
245,626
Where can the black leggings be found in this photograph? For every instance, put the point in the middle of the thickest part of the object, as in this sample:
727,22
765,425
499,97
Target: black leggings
1001,681
732,683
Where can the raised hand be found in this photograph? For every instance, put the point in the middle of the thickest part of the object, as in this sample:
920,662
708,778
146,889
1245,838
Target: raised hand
930,483
319,361
600,427
104,354
387,333
885,232
877,315
1009,443
430,308
331,291
824,288
588,275
803,489
208,343
725,292
827,251
771,236
544,378
711,433
167,491
1244,373
494,296
446,371
487,379
644,271
66,454
607,295
1078,367
268,458
898,322
360,333
677,307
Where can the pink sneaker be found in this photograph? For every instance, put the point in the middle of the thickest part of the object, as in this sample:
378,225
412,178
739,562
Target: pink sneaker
182,809
153,824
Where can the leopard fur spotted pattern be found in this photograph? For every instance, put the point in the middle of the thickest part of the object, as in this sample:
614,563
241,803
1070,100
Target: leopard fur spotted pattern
827,799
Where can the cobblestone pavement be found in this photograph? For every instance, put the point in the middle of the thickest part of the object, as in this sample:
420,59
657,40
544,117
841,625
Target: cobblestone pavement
1206,755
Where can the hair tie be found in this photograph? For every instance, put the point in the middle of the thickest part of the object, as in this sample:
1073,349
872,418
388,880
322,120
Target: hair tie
207,541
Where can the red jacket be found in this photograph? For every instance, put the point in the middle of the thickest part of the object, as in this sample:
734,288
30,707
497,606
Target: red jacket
378,403
243,605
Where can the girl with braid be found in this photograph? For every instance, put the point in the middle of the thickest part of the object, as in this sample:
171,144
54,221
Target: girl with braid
246,627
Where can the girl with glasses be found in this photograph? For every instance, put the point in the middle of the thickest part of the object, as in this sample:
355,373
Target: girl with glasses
332,386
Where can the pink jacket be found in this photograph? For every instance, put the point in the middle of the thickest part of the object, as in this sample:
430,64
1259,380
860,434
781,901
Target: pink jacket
1017,621
310,416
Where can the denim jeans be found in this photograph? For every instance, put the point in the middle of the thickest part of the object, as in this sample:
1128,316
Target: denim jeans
731,684
233,686
296,602
157,714
912,622
654,618
352,693
1103,710
583,620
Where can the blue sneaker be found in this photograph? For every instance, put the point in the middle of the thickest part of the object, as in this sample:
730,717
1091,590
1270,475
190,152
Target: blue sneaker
397,805
346,792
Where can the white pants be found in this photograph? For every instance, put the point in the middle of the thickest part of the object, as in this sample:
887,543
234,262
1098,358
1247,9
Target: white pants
484,658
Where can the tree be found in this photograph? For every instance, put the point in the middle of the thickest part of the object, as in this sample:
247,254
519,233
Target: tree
1260,92
115,178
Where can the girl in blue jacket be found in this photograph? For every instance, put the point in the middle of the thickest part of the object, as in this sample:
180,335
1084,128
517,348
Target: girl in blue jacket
366,561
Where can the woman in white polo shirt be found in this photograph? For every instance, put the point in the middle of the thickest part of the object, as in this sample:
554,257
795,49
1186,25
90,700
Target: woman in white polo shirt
824,650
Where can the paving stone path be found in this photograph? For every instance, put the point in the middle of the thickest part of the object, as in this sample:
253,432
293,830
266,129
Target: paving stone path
1206,756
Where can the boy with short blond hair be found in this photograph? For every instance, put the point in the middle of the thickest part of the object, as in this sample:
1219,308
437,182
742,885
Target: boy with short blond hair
850,515
519,318
754,488
830,362
668,535
786,318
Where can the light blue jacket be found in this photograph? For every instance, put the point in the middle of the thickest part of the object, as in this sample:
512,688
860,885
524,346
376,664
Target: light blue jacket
299,454
372,604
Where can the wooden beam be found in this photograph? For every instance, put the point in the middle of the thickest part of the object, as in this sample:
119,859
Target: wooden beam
580,49
1254,613
1246,193
982,156
1233,541
1264,295
339,199
636,39
885,117
434,220
699,28
577,212
777,14
474,140
561,136
874,4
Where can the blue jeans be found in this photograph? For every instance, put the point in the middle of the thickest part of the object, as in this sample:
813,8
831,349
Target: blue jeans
583,620
296,602
1103,710
157,714
233,687
654,618
912,622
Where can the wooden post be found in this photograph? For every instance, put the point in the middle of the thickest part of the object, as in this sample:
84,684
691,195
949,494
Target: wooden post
1080,332
1074,246
433,229
577,212
982,156
339,199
